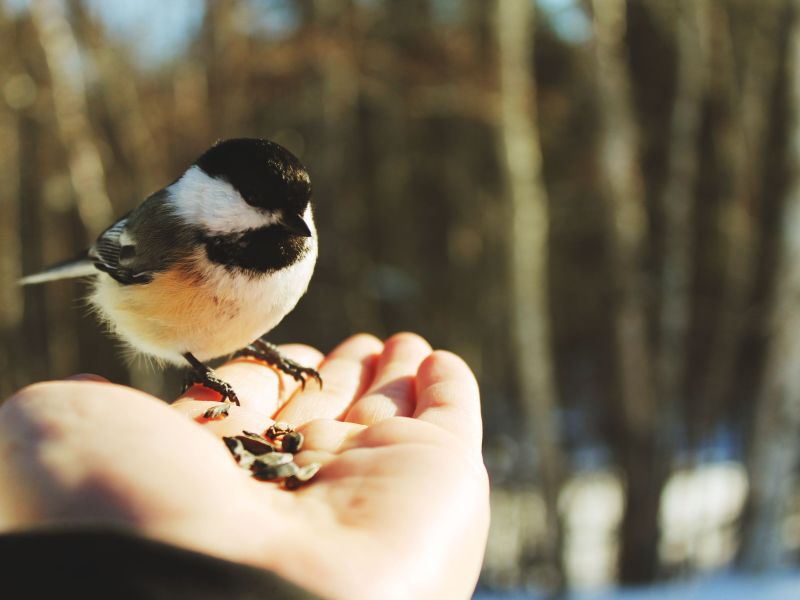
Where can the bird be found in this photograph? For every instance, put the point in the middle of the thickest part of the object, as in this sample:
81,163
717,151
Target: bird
206,266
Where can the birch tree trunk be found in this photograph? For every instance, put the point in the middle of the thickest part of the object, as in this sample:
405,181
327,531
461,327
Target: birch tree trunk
677,203
143,158
69,97
528,253
636,447
775,453
747,90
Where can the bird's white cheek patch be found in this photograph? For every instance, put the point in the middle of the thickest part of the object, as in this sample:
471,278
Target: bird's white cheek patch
214,204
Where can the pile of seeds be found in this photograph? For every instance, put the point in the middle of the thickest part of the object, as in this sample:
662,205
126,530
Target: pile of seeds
270,457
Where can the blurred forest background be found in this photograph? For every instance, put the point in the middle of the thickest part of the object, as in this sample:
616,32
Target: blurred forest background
596,203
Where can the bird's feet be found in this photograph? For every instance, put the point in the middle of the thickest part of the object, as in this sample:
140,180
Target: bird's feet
270,354
205,376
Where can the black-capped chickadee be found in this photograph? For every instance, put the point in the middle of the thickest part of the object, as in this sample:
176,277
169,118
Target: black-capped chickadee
210,263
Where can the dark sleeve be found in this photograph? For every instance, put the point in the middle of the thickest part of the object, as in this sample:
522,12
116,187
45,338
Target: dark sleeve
91,563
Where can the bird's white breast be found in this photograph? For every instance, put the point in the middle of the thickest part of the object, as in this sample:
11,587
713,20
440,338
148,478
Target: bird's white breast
201,308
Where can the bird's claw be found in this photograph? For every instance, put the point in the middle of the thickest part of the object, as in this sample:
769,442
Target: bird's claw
270,354
203,375
299,372
212,381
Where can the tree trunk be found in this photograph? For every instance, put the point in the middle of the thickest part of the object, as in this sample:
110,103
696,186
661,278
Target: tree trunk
747,89
345,207
775,454
676,206
69,97
528,242
143,161
636,446
20,91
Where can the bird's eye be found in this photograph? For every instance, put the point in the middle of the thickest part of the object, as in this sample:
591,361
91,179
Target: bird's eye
127,252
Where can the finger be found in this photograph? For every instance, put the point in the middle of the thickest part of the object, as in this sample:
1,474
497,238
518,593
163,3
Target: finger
324,440
392,392
327,435
346,373
306,356
258,386
448,396
86,377
238,419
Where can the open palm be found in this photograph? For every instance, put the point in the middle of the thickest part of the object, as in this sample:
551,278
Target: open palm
399,509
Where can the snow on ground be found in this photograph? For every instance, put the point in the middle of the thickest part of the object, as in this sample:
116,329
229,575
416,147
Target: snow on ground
778,586
698,513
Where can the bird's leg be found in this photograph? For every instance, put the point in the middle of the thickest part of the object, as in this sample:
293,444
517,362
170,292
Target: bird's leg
270,354
206,377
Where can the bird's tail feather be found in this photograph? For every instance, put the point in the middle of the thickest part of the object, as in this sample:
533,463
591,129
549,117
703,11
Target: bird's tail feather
76,267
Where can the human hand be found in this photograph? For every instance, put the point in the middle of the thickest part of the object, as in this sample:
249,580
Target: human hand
399,509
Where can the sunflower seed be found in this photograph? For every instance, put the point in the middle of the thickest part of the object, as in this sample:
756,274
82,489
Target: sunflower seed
219,411
266,472
240,453
274,459
303,475
292,442
234,445
255,443
278,429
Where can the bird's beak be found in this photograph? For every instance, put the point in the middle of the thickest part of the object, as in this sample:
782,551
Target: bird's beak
296,224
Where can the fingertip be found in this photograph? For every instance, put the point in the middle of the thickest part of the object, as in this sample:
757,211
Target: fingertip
442,365
346,373
407,339
86,377
392,392
365,337
360,344
302,353
448,396
402,352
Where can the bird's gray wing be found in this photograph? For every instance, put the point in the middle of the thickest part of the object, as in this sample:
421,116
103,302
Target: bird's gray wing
115,252
147,240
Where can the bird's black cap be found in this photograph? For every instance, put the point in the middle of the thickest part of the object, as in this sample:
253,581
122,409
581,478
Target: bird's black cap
266,174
